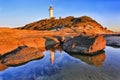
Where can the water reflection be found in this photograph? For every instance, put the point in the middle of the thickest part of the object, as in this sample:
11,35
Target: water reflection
96,60
52,50
52,57
67,67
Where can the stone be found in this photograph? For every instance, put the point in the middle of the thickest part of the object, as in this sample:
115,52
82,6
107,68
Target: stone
85,44
2,66
10,39
21,55
113,41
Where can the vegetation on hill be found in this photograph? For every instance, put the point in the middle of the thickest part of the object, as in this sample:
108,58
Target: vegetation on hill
81,23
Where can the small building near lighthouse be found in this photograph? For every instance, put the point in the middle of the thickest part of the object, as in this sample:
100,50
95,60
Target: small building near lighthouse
51,12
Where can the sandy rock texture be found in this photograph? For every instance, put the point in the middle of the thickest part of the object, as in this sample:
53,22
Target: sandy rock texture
85,44
22,55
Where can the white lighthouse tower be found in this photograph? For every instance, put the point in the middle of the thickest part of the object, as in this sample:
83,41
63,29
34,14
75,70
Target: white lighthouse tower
50,11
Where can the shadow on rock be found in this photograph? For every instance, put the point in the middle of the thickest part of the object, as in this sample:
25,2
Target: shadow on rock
96,60
21,55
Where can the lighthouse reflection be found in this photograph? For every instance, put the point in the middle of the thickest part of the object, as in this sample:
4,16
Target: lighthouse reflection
95,60
52,56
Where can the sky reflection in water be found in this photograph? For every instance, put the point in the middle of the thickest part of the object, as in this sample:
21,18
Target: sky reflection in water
104,66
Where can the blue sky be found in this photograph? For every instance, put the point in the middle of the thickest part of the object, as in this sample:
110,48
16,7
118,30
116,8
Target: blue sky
14,13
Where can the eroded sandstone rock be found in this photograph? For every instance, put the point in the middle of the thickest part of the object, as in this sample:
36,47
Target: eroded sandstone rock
10,39
2,66
85,44
21,55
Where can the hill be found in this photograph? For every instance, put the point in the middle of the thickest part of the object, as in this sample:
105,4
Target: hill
82,24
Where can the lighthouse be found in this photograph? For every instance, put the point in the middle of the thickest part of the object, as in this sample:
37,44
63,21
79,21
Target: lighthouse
50,11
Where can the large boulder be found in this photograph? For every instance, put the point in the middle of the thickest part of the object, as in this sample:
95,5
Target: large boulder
85,44
21,55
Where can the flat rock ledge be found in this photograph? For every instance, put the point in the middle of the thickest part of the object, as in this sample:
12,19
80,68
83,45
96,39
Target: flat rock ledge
113,40
21,55
85,44
20,46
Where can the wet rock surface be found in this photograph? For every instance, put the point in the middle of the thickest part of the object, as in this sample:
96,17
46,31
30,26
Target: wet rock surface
85,44
21,55
113,40
20,46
